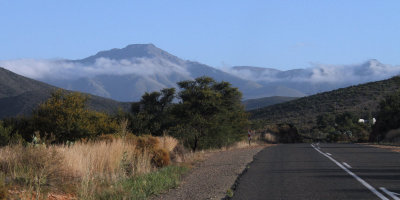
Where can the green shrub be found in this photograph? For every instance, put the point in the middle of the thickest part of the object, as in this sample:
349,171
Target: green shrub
5,134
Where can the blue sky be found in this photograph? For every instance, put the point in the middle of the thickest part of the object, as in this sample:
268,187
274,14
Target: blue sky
281,34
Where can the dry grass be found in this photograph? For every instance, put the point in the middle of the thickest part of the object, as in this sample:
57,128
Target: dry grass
104,159
86,169
269,137
36,168
388,147
83,168
167,142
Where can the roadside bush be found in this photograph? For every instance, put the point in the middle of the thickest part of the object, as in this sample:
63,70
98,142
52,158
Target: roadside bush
284,133
161,158
5,134
147,142
393,136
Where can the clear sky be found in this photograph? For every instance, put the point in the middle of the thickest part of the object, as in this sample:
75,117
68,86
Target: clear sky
281,34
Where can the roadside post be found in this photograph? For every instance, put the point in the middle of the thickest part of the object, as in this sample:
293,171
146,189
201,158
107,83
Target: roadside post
249,136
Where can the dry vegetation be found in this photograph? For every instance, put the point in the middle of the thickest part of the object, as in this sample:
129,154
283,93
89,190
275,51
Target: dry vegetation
83,168
388,147
121,166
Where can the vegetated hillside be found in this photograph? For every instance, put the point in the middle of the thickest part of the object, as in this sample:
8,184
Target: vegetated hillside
20,95
362,100
252,104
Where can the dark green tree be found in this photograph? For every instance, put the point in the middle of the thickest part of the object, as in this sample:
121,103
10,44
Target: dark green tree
210,113
151,115
388,117
5,134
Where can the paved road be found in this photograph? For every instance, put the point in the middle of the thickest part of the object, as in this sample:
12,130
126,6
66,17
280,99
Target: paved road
325,171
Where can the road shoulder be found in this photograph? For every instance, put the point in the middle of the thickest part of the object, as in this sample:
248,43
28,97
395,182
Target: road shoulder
212,178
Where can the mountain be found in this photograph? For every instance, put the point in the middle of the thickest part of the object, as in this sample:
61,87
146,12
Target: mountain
126,74
362,100
319,78
20,95
252,104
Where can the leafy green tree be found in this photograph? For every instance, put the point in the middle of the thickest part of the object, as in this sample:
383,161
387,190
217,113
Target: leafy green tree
210,112
21,128
388,117
66,117
151,115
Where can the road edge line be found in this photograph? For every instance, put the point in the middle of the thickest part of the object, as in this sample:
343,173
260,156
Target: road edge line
367,185
391,194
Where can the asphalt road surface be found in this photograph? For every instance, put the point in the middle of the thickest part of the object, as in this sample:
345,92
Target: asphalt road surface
321,171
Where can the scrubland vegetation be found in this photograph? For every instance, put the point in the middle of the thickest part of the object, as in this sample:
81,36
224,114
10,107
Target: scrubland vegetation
66,149
90,169
334,116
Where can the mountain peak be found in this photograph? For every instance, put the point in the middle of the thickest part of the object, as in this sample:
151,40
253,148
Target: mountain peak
373,62
149,45
129,52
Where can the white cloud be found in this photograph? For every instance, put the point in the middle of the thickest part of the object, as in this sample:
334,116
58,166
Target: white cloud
63,69
321,73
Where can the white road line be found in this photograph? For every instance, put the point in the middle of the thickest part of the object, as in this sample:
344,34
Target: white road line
328,154
391,194
347,165
372,189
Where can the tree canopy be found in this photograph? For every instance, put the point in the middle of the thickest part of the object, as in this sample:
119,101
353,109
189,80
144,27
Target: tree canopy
388,117
66,117
210,113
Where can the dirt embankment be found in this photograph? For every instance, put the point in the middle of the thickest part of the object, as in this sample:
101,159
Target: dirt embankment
212,178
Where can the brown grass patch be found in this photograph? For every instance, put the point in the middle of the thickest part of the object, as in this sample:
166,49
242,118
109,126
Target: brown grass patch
82,168
388,147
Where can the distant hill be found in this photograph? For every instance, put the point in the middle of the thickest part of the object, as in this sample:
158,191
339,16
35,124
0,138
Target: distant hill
20,95
319,77
252,104
362,100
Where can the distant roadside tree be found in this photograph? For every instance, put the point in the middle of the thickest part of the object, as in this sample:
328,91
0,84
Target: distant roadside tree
341,127
209,113
388,117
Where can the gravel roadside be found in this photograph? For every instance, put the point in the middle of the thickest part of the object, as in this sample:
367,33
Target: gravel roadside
211,178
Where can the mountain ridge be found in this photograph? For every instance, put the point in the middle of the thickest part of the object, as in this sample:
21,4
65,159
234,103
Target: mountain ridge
155,69
19,95
124,74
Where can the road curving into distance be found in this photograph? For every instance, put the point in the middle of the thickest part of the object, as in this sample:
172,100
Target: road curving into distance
322,171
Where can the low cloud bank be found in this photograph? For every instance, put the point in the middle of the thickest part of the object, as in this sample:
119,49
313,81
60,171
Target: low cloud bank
319,73
64,69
